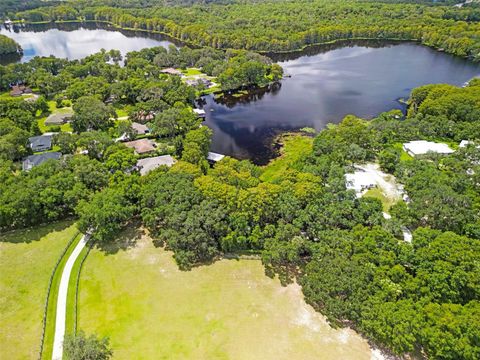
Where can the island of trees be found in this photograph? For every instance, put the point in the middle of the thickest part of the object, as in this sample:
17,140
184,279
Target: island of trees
9,46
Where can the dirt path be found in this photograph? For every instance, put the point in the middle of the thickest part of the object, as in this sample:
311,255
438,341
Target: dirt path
61,312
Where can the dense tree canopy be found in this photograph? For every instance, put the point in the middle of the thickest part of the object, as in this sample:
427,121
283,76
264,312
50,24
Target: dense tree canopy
8,45
351,260
82,347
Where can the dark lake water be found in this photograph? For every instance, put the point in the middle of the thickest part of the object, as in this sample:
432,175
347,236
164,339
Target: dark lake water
327,82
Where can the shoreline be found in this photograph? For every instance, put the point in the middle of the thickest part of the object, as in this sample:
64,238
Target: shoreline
262,52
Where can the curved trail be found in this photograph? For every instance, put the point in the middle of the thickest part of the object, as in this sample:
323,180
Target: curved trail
60,317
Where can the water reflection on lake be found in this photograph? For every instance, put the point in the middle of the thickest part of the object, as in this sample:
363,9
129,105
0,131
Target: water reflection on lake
76,41
328,83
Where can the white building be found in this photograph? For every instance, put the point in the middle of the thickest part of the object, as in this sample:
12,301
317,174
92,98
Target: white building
214,157
465,143
421,147
199,112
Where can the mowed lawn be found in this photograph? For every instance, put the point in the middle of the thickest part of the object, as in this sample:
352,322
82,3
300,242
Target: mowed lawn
27,258
295,147
227,310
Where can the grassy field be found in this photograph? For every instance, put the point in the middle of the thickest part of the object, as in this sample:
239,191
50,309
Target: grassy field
227,310
295,147
377,193
27,259
191,72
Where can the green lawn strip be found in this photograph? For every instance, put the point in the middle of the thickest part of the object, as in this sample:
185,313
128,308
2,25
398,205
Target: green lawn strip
295,147
192,72
52,301
378,194
404,156
122,112
71,317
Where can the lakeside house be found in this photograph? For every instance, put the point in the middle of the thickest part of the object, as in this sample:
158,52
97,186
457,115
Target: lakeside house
40,143
171,71
148,164
142,146
199,112
19,90
38,159
422,147
200,81
140,129
58,119
214,157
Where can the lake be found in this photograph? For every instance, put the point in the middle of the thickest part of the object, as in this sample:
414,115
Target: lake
76,41
327,82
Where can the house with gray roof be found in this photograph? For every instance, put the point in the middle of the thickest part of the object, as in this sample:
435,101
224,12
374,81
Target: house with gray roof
58,118
148,164
140,129
38,159
40,143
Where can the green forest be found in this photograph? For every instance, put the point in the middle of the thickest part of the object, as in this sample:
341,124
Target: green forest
8,46
282,25
418,297
302,220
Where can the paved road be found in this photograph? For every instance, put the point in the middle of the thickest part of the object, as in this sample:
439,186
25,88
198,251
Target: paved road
62,300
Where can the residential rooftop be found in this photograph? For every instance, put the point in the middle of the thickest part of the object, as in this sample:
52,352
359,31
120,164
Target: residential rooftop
171,71
148,164
58,118
142,146
40,143
421,147
38,159
215,157
140,129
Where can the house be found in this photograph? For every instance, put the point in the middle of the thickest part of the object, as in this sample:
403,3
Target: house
16,91
199,81
421,147
199,112
19,90
58,118
148,164
35,160
171,71
214,157
465,143
40,143
142,146
140,129
111,99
